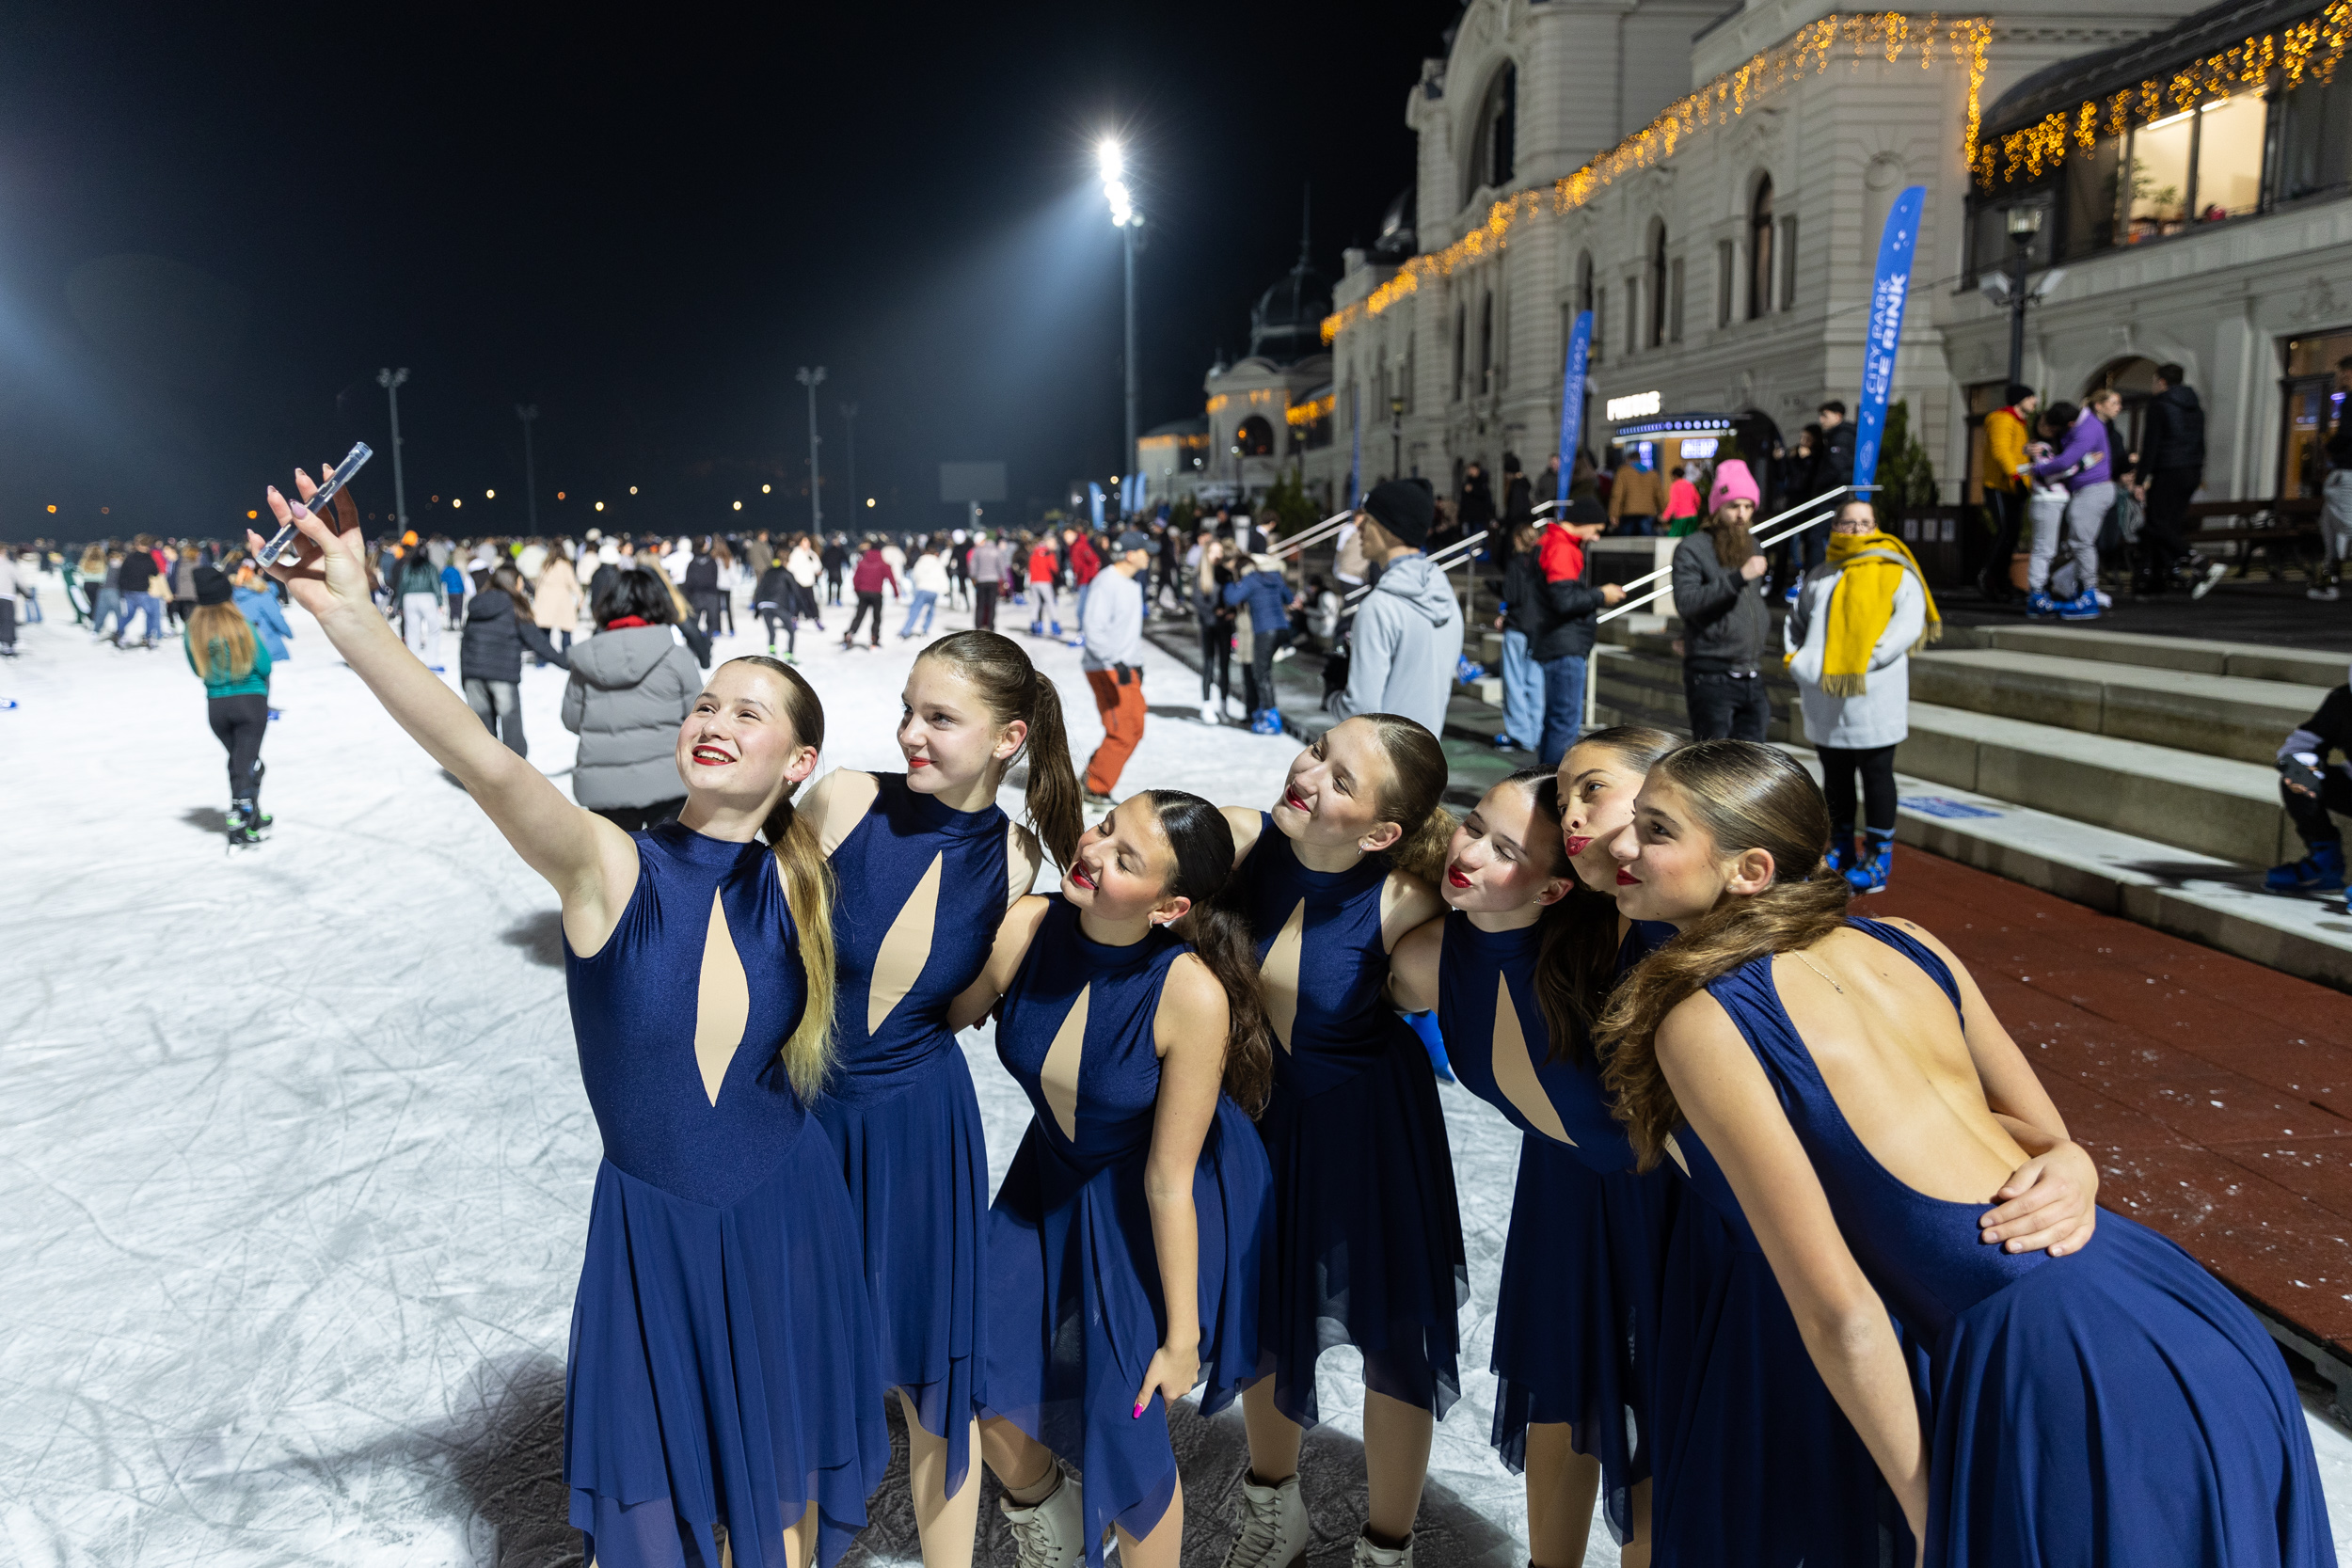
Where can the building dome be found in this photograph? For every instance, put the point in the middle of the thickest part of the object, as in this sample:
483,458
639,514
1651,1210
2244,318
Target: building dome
1286,324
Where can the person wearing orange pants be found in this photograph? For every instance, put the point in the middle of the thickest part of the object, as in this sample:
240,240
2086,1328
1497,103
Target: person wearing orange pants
1111,629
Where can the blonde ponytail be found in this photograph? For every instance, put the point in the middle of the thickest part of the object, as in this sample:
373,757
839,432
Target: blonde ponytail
808,878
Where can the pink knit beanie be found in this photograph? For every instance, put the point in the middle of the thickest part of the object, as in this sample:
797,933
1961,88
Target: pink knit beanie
1733,482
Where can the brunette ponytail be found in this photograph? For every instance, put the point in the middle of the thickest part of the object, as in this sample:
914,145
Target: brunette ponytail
808,890
1015,691
1219,933
1745,796
1409,796
1577,968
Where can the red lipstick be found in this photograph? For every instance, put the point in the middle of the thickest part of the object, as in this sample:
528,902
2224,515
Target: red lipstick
1577,845
1627,878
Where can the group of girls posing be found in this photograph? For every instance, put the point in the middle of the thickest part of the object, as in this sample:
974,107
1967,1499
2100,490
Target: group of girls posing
1754,1299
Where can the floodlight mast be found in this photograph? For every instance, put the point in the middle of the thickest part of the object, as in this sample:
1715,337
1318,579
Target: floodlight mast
811,379
1127,221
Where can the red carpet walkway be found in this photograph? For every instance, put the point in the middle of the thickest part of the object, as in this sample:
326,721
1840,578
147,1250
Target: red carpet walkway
2215,1094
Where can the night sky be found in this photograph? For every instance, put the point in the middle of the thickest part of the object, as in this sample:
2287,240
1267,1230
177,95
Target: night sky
642,221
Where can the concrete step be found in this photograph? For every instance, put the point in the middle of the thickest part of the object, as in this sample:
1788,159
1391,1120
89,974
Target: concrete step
2199,655
2218,714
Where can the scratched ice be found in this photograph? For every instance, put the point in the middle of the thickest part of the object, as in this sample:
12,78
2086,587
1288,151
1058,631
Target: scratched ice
294,1164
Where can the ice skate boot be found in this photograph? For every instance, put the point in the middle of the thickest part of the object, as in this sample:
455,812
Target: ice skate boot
242,831
1840,856
1050,1532
2321,871
1274,1531
1369,1556
1869,875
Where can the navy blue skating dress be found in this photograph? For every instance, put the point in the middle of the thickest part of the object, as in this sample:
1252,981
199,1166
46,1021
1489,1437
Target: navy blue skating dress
1074,1312
1365,1240
722,1372
1577,1313
922,887
2114,1407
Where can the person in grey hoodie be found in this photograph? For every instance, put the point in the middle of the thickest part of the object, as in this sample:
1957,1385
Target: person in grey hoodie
632,684
1407,638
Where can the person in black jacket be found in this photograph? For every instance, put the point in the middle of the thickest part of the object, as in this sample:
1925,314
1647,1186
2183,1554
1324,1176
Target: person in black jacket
1724,621
2172,466
2335,512
702,588
490,660
1558,619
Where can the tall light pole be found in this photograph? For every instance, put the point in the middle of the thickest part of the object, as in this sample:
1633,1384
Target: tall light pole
391,380
810,379
529,414
1129,223
2007,288
848,417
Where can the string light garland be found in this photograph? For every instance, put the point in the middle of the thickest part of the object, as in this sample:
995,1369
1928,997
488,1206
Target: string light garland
1809,51
1301,415
2309,51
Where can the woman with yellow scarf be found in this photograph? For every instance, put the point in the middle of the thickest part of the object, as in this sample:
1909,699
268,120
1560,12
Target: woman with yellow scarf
1858,618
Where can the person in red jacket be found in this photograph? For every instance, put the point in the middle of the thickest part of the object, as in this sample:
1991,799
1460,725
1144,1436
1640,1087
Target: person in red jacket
1084,564
872,571
1045,570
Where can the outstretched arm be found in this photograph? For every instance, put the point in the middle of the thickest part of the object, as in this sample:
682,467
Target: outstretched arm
590,864
980,997
1190,1031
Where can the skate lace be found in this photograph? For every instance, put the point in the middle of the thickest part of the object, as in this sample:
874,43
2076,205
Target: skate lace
1261,1535
1032,1539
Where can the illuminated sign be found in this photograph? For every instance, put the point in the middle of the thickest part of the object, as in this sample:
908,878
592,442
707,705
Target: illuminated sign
1634,407
1699,445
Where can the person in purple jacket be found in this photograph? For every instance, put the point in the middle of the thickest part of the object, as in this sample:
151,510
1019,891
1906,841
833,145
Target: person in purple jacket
2079,464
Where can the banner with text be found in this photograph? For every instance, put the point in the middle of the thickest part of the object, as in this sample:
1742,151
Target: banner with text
1572,398
1887,293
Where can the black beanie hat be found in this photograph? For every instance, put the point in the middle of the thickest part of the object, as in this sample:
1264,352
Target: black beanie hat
1583,509
210,586
1405,507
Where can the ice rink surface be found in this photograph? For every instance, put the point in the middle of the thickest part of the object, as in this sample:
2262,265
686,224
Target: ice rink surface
295,1163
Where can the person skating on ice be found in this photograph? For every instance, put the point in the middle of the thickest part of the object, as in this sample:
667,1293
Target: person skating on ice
719,1390
1123,1246
235,664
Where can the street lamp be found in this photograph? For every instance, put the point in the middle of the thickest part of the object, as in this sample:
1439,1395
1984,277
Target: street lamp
1129,223
391,380
1396,436
529,414
810,379
2008,289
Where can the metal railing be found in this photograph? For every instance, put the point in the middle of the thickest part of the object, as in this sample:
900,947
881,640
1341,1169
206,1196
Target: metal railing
1763,542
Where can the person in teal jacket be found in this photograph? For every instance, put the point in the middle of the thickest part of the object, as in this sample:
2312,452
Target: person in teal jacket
260,608
234,666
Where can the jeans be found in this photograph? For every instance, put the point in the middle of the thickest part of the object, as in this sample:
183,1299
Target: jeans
1042,606
1641,525
420,615
1259,675
926,600
1564,705
1724,707
8,627
984,607
499,705
2335,515
142,604
2009,521
32,607
1523,693
108,603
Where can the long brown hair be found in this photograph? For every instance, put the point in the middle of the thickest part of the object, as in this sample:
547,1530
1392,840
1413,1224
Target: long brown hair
220,631
1219,930
1578,966
1410,795
1001,673
1744,796
808,889
508,579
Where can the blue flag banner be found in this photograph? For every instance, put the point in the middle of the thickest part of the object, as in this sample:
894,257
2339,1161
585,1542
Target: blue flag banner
1887,293
1094,502
1572,398
1130,495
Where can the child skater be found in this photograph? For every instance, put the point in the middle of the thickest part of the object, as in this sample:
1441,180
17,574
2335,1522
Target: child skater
234,666
1364,1245
927,864
1123,1260
718,1393
1578,1307
1736,1410
2117,1405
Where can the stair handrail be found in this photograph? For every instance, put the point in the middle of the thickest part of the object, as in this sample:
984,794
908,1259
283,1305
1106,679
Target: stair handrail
1327,529
1762,543
1444,560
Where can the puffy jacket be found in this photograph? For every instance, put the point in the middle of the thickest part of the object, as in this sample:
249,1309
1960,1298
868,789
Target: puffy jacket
701,575
2174,434
1266,592
2084,451
1557,618
1637,493
555,603
1084,562
1724,620
872,571
629,691
1406,643
1834,465
417,574
774,588
2004,449
260,608
495,638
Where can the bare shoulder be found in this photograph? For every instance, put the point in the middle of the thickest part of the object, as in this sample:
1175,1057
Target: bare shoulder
1246,824
1023,856
1695,1028
1022,921
1193,1006
1413,966
1405,901
839,801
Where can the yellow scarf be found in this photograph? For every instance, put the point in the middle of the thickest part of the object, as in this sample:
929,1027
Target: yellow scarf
1870,567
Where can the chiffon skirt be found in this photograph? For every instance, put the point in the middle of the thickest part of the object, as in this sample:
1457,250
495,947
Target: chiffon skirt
721,1373
1364,1245
915,1160
1074,1311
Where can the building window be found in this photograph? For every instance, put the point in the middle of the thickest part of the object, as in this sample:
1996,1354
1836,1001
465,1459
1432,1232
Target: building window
1487,345
1787,263
1656,285
1673,301
1633,316
1498,131
2315,138
1726,275
1760,249
1255,437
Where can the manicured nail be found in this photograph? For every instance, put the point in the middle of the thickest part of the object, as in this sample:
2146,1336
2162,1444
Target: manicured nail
1139,1415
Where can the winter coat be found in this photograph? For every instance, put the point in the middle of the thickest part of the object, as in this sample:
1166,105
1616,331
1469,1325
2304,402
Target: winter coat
417,576
2085,451
1556,618
776,590
1084,562
806,567
872,571
1637,493
1266,592
260,608
495,637
702,576
1044,564
1518,499
2005,440
629,691
1406,644
1725,618
929,575
1833,465
1477,507
556,605
1880,716
2174,433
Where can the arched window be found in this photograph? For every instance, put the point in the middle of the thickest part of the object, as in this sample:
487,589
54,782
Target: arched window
1760,249
1255,437
1657,284
1496,151
1487,344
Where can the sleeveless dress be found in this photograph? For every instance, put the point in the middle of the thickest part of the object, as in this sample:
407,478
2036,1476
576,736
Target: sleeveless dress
1075,1310
2115,1406
721,1368
922,888
1364,1245
1577,1314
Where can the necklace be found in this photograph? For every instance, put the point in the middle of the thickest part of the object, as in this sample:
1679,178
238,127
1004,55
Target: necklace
1818,969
